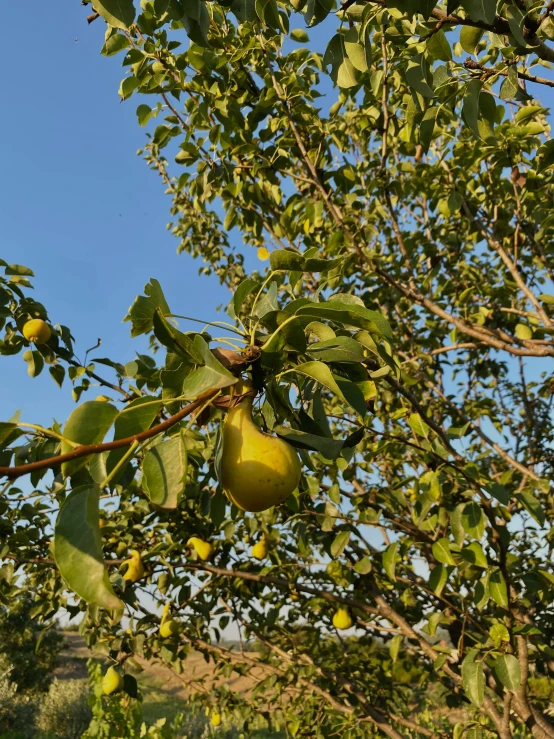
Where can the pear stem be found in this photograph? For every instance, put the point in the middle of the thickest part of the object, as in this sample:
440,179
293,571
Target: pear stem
288,320
48,432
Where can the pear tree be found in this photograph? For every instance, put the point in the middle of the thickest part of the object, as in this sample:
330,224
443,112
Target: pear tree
350,471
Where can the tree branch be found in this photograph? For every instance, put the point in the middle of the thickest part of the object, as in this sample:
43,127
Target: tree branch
87,449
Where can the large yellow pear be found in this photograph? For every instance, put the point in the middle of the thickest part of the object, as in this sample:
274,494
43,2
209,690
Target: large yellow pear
258,470
202,548
37,331
135,568
259,550
342,619
112,681
215,719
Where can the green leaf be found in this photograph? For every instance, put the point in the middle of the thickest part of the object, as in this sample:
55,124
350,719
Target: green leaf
417,76
363,566
118,13
473,520
480,10
498,634
515,21
334,54
88,424
268,302
58,373
394,646
437,578
212,375
320,264
442,553
128,86
545,156
339,349
470,37
286,260
144,113
329,448
506,668
482,592
427,127
349,314
533,506
130,685
340,543
9,432
165,469
114,44
473,679
172,377
246,287
141,313
268,13
417,425
497,588
317,10
35,362
175,340
389,560
475,555
510,87
300,35
322,374
438,46
523,331
136,417
347,75
78,548
355,50
470,109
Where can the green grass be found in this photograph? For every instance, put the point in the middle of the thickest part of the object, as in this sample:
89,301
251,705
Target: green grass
156,702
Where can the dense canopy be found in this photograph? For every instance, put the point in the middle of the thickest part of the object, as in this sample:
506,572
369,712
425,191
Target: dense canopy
400,338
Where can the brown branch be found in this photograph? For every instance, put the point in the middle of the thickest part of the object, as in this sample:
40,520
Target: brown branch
474,427
454,347
471,64
88,449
